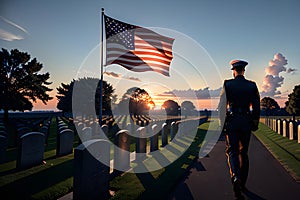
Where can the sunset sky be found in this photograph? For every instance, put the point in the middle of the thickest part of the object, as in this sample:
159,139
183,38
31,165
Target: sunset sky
64,35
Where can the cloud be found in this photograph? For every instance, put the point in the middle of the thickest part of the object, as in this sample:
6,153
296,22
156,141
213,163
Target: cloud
291,70
131,78
273,80
115,75
14,24
9,36
270,85
204,93
112,74
4,35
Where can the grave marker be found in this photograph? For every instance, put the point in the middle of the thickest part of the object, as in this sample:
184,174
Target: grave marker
65,142
30,150
91,170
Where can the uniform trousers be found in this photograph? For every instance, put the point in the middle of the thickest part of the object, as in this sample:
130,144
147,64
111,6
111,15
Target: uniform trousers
237,142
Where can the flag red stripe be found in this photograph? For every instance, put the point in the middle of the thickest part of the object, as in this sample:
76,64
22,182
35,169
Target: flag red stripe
142,54
143,51
147,60
142,68
129,62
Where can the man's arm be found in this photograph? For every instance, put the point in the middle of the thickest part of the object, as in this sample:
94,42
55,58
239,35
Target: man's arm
255,108
222,106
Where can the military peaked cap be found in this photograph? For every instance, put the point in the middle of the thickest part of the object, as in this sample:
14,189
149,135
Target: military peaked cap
238,64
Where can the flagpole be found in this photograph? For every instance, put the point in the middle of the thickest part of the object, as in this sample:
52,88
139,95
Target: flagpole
101,66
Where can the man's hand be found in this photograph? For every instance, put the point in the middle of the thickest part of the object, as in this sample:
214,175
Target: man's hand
254,125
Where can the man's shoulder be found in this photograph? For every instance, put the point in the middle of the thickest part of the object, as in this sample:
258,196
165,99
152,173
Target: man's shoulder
233,81
251,82
228,80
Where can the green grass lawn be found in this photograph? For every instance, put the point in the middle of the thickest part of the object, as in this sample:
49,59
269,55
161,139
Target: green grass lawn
286,151
158,184
54,178
50,180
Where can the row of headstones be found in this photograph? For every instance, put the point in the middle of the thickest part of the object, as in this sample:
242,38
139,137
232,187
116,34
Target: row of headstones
290,129
90,129
22,137
85,121
91,177
45,128
32,124
141,120
64,139
3,142
31,146
41,125
122,141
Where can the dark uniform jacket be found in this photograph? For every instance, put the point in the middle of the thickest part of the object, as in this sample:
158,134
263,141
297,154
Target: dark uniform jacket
237,96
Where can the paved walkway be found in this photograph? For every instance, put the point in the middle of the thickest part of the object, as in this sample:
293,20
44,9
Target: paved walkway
209,177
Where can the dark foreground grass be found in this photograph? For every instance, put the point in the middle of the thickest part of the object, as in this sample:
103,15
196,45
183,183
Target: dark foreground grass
286,151
51,180
54,178
158,184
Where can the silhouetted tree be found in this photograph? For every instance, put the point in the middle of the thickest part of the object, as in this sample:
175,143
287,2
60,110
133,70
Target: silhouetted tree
87,92
269,105
136,101
20,81
293,103
172,108
187,108
140,102
64,97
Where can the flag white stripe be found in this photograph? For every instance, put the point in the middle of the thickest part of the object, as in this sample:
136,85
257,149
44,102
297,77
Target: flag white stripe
157,42
148,32
115,45
158,47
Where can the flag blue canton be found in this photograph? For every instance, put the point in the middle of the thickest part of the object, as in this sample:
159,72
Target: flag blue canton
120,32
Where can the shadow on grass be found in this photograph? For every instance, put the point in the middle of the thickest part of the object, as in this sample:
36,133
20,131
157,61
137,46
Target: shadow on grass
160,188
24,188
11,154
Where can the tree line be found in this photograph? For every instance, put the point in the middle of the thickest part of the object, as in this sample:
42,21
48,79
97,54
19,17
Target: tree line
21,84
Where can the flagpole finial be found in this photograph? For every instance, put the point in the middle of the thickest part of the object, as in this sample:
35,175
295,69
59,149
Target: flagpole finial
102,9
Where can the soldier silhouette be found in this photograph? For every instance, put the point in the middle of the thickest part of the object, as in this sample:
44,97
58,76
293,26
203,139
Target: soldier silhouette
237,97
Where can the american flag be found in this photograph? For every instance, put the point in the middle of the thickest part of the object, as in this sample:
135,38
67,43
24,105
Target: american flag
136,48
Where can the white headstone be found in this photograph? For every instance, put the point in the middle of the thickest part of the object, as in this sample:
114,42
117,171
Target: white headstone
154,138
65,141
299,134
86,134
291,131
30,150
141,143
91,170
164,135
278,126
121,151
284,128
